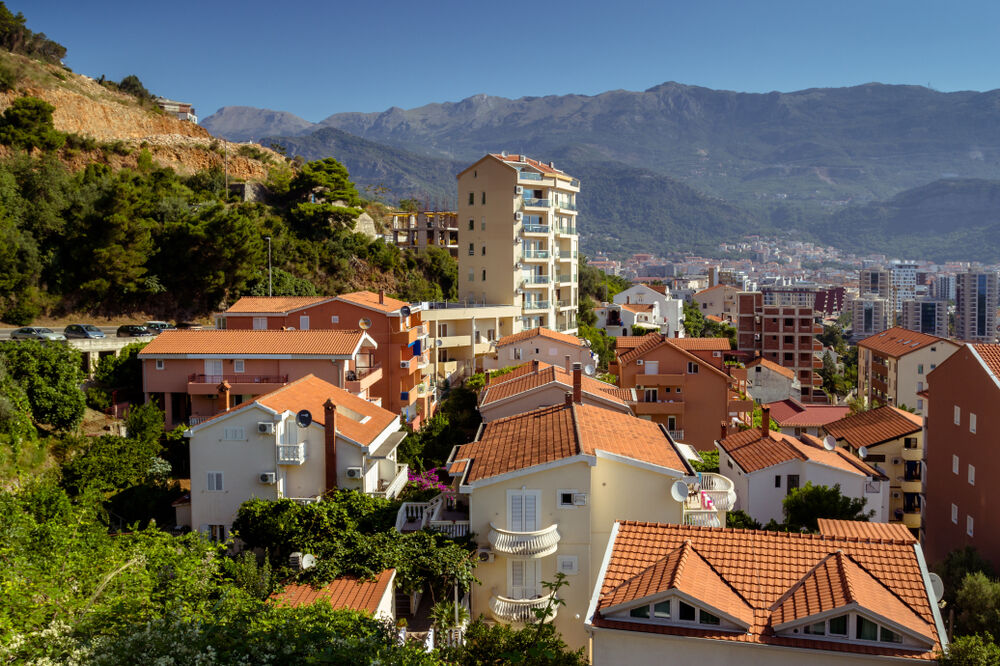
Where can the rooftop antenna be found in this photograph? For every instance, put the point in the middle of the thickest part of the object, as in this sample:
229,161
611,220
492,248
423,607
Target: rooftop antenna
829,443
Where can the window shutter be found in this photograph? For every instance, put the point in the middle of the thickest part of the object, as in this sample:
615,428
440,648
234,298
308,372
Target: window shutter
530,512
517,512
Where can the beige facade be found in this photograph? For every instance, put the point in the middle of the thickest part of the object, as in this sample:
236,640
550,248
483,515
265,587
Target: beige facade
925,315
419,231
518,243
463,335
897,379
870,314
718,301
538,345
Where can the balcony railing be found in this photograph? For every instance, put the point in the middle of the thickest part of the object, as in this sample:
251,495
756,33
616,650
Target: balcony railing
195,420
574,183
566,205
714,491
237,379
525,544
564,278
676,435
536,305
292,454
537,203
537,279
520,611
440,514
702,518
390,488
569,231
913,454
536,254
536,228
529,175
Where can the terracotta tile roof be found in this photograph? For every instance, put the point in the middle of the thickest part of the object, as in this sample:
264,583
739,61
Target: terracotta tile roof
753,452
254,343
661,288
626,342
652,341
771,365
702,344
511,384
541,166
714,318
990,354
860,529
899,341
790,413
685,570
543,332
875,426
716,287
637,307
766,568
562,431
274,304
343,592
369,299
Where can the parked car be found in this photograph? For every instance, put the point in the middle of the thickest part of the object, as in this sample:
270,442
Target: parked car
158,327
36,333
83,331
133,331
189,326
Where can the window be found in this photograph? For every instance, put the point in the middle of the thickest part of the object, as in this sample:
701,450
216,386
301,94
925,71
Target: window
472,249
692,368
522,511
482,224
662,610
686,612
483,251
866,629
335,319
517,353
838,625
239,366
920,386
472,275
472,198
159,364
958,415
886,636
954,513
954,464
565,498
484,198
259,323
792,483
777,480
484,275
472,225
234,434
818,629
640,612
524,577
972,475
568,564
972,423
920,403
920,368
217,533
968,525
214,481
707,618
650,395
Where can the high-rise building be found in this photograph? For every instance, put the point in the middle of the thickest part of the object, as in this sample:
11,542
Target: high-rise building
943,287
517,239
876,281
869,315
976,306
903,282
925,315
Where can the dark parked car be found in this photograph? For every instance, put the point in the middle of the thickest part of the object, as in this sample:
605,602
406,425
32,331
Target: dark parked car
133,331
189,326
36,333
158,327
83,331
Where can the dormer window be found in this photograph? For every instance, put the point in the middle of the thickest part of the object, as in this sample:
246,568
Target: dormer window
662,612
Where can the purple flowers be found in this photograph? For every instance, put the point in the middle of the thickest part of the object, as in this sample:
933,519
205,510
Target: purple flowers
428,480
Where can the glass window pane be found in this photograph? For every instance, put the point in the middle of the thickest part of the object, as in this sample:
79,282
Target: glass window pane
817,629
641,611
867,630
686,611
890,636
708,618
838,625
661,609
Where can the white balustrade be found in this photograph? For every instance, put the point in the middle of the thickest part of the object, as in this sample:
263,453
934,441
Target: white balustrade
520,611
525,544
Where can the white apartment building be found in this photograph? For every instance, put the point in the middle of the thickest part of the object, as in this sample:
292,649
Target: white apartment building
518,243
670,311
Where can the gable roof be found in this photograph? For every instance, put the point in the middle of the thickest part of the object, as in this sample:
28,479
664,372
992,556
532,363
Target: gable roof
715,288
772,366
653,341
342,592
559,432
526,378
543,332
875,426
754,452
637,307
898,341
989,356
790,413
763,567
626,342
370,300
702,344
860,529
247,343
515,159
274,304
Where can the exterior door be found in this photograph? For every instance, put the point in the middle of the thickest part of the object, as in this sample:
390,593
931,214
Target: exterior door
304,323
213,368
524,579
522,510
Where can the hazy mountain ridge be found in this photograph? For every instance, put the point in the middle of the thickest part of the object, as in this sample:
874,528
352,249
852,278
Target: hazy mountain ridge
245,123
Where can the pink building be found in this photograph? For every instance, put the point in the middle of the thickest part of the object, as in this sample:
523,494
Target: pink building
194,375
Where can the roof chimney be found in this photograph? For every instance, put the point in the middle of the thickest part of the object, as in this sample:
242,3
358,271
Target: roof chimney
330,443
577,383
765,421
381,296
224,388
534,365
569,398
725,431
567,364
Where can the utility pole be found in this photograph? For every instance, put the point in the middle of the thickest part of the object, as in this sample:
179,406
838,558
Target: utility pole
269,266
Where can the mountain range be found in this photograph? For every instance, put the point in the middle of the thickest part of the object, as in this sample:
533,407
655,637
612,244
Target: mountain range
678,166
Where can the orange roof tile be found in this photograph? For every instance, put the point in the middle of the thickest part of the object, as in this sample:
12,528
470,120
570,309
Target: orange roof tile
652,341
702,344
343,592
369,299
661,288
789,413
714,318
515,383
626,342
899,341
194,344
771,365
543,332
541,166
274,304
875,426
860,529
558,432
753,452
767,568
990,355
637,307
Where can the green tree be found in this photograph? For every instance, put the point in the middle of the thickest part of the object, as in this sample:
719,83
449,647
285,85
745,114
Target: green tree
694,320
15,37
145,423
409,205
50,375
804,506
971,651
957,565
709,462
27,124
742,520
121,373
978,605
108,463
131,85
601,344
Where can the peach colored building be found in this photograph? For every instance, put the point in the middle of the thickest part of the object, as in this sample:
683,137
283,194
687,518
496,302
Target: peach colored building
401,358
194,375
718,301
686,388
541,344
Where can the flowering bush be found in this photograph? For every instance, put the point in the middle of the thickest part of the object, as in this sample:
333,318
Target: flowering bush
422,486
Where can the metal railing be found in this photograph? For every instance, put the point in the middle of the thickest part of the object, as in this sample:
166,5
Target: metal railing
536,228
715,491
536,305
195,420
292,454
237,379
537,203
520,611
529,175
358,374
536,254
525,544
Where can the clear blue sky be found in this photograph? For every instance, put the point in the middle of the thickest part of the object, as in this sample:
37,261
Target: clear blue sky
314,58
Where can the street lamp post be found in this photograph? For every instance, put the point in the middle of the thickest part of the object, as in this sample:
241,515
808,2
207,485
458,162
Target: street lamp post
269,266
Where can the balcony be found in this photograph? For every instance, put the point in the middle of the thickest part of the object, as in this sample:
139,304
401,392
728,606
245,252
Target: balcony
533,545
529,175
441,514
531,202
239,383
536,305
912,519
409,364
390,488
195,420
408,397
533,255
676,435
574,183
566,256
564,278
536,228
520,611
711,491
702,518
674,407
360,380
912,454
292,454
740,406
537,280
405,337
912,486
566,205
566,231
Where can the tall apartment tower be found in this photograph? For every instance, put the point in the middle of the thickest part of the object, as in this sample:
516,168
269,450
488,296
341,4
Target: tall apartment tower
925,315
875,281
903,283
517,239
976,307
943,287
869,315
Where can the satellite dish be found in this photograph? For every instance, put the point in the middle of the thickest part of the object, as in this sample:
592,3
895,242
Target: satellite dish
863,452
405,310
440,342
679,491
589,369
308,561
303,419
937,586
364,323
829,443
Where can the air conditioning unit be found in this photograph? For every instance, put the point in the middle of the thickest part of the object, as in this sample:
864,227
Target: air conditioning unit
484,555
404,364
638,361
895,461
518,216
299,561
265,428
269,478
579,499
518,190
354,472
